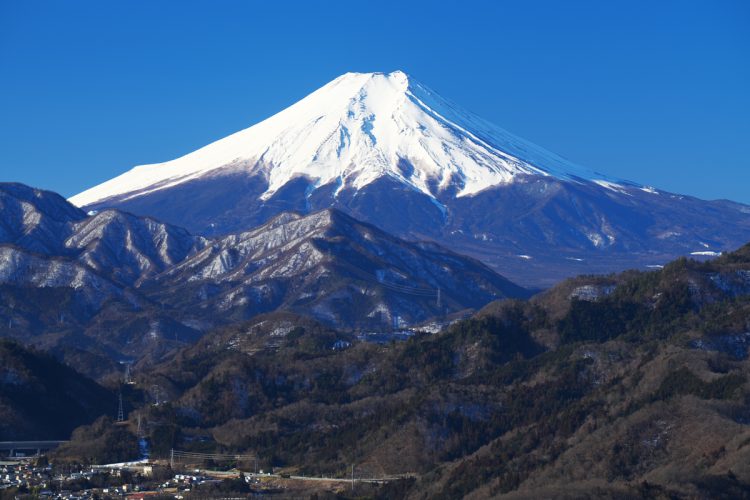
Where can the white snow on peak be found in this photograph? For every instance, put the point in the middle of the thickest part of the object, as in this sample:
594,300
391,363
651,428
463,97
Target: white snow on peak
354,130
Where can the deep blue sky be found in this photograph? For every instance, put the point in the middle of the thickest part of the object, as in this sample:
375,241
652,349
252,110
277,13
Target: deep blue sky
656,92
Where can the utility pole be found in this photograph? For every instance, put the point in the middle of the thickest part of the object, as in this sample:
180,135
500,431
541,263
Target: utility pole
171,458
352,478
439,297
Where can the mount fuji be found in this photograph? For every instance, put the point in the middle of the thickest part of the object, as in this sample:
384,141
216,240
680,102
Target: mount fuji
390,151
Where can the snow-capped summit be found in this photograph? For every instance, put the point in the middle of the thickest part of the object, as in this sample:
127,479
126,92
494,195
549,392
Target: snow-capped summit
351,132
390,151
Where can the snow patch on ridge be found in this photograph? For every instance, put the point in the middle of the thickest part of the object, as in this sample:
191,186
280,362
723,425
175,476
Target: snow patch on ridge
612,186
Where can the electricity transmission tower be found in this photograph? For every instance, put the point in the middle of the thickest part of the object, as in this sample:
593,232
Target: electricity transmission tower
156,391
128,373
140,432
120,411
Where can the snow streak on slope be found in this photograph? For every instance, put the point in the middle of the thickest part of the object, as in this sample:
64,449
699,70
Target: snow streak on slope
354,130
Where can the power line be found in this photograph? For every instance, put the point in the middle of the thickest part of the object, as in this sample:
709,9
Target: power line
396,287
407,291
212,456
190,456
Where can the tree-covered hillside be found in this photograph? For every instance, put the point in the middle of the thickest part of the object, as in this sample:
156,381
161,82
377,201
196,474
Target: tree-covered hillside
40,398
614,386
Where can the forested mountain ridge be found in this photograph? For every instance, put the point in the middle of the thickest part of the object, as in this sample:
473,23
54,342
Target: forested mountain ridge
133,288
596,388
40,398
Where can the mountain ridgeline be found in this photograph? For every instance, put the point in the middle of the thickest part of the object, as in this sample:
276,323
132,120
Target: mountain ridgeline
128,287
388,150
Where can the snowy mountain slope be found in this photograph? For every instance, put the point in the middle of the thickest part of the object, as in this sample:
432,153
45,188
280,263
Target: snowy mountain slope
22,268
67,280
129,281
130,248
34,219
123,247
64,306
335,268
356,129
388,150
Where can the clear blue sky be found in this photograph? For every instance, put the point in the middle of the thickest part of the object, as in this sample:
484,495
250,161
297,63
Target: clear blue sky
656,92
